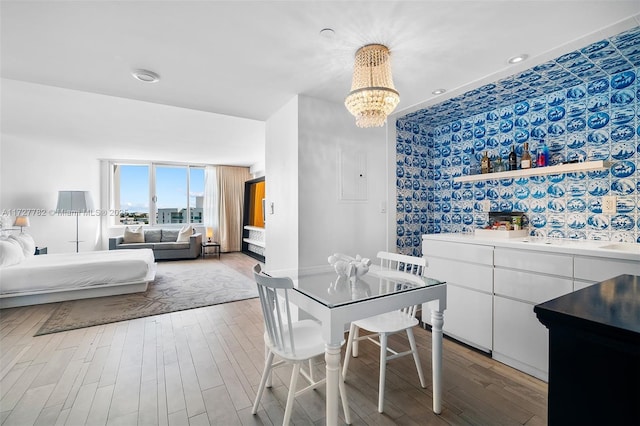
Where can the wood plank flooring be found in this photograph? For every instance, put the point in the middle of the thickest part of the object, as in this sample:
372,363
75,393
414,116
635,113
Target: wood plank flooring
202,367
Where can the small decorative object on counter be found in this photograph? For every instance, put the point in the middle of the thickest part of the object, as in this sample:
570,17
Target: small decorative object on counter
525,161
485,163
513,159
542,159
516,222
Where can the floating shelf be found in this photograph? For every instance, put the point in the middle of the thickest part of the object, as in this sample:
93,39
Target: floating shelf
254,242
538,171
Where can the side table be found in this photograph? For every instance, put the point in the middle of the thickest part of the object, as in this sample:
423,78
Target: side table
206,245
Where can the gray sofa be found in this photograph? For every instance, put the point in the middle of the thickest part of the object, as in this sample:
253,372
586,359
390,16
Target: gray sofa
163,243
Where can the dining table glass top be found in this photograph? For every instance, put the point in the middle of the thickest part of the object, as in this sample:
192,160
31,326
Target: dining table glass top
333,290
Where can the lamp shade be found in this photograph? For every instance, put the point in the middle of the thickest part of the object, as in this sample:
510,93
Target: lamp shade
209,233
74,201
21,221
373,96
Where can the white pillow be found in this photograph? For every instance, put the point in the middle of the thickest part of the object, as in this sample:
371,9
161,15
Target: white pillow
133,235
10,252
184,234
26,243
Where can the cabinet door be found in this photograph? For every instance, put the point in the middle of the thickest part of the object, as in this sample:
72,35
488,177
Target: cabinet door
458,251
470,275
519,339
467,317
596,269
530,287
535,261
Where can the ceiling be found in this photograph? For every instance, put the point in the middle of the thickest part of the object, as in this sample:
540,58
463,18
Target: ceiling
248,58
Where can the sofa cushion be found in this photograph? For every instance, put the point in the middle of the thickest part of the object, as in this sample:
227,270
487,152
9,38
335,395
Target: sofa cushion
132,235
169,235
152,235
171,246
136,245
184,234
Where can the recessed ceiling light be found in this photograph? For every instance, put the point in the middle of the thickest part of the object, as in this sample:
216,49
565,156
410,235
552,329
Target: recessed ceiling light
145,76
519,58
327,32
439,91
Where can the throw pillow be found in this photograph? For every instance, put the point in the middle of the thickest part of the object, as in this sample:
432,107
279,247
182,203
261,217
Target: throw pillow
169,236
26,243
184,234
152,235
133,235
10,252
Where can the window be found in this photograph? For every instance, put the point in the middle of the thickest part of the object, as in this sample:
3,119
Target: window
151,194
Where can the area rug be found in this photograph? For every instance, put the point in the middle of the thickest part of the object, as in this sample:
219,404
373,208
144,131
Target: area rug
179,285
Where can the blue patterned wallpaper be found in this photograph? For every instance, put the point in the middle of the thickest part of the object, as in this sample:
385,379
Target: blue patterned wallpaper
583,106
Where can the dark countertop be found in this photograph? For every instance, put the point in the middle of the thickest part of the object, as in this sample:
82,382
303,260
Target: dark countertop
610,307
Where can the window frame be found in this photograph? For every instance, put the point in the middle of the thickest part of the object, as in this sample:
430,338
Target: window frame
152,200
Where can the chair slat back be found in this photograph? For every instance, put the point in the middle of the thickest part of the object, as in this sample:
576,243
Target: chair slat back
274,300
403,263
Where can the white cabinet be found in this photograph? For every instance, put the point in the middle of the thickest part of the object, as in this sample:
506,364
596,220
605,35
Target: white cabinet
522,279
492,287
520,341
590,270
468,272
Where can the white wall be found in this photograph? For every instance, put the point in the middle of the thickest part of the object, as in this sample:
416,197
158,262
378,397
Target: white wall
310,221
52,139
326,223
33,171
281,189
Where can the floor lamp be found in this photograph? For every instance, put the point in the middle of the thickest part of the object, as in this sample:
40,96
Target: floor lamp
74,202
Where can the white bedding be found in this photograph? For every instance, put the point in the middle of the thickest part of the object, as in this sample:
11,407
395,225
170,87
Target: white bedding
76,270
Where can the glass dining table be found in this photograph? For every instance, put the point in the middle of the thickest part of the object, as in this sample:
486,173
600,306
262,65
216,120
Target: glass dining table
336,301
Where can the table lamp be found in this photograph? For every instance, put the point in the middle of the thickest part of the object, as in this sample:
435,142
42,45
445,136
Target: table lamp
209,234
22,222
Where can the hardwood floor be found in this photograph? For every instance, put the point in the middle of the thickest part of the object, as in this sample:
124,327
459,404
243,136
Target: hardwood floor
202,367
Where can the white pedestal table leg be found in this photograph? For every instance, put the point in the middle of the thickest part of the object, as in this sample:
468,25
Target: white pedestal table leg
332,360
436,353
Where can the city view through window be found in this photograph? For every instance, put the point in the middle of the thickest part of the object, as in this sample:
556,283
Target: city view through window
175,198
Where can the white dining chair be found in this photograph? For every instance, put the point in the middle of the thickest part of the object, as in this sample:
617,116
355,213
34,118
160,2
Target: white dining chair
295,342
384,325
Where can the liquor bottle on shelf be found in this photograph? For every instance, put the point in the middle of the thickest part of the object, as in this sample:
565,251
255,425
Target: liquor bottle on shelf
542,159
485,163
513,159
525,160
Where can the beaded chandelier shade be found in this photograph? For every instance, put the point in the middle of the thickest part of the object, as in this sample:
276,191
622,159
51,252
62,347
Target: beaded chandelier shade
373,96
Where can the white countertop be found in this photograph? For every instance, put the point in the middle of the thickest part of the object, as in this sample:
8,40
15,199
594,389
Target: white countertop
622,251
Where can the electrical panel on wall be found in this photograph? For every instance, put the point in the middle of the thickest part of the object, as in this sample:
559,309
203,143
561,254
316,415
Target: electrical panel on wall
353,174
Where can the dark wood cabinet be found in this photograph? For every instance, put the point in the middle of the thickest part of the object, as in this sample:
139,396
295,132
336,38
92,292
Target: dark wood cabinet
594,354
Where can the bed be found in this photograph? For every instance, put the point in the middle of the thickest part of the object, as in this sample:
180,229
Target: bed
67,276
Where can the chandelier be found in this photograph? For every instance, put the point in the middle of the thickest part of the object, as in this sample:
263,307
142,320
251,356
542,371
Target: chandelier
373,96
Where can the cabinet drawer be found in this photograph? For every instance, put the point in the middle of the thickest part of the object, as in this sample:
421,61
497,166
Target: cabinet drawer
535,261
478,277
520,336
599,269
468,317
529,287
458,251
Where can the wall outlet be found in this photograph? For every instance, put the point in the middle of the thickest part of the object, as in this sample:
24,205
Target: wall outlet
609,204
486,205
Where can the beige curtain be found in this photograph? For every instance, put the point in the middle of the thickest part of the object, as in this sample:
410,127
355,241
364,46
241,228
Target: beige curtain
231,205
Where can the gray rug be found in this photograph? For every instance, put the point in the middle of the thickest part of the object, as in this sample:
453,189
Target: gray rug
179,285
